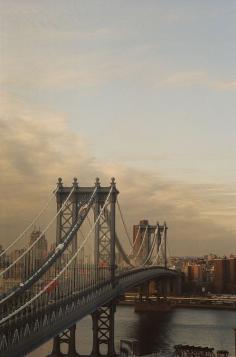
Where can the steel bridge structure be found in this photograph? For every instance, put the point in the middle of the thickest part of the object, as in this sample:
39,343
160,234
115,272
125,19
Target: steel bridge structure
44,293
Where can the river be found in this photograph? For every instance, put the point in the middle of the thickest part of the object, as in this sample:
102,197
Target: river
212,328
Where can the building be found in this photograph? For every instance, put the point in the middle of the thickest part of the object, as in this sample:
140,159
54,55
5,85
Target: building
41,246
38,252
221,275
198,272
188,272
224,280
231,285
194,272
19,267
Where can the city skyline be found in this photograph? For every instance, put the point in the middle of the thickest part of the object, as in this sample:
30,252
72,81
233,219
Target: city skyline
141,91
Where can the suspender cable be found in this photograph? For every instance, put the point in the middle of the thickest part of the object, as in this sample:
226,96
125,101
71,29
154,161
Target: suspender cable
159,251
135,239
117,241
152,248
124,224
122,251
132,244
141,245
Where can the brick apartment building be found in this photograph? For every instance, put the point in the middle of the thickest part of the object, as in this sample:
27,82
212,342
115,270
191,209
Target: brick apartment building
224,275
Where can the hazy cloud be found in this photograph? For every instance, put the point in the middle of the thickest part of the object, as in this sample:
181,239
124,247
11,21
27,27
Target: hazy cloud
37,147
192,78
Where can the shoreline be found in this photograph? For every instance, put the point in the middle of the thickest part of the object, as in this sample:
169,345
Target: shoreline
216,306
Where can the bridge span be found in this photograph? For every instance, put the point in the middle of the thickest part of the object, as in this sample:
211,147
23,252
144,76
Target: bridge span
54,292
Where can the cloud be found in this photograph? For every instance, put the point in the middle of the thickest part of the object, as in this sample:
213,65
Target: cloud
99,69
186,77
226,85
60,73
57,63
60,50
37,147
200,78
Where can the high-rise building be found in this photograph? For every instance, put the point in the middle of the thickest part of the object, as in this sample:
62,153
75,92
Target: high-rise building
188,272
198,272
194,272
225,275
38,252
221,274
41,245
231,286
19,268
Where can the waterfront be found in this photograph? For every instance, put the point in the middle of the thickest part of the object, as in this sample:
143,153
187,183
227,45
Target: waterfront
161,332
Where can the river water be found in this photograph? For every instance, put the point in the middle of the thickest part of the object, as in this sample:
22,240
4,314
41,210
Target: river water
160,332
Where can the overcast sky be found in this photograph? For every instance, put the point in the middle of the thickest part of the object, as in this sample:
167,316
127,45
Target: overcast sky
141,90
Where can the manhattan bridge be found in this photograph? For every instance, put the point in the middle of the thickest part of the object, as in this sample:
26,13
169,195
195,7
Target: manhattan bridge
51,294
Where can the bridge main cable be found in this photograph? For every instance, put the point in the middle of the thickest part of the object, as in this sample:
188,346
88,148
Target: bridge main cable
159,249
152,248
132,244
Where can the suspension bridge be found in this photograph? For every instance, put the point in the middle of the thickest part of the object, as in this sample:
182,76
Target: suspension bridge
45,292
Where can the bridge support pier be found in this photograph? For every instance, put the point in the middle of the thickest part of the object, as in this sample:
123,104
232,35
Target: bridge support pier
164,287
167,287
178,286
67,337
103,331
144,292
56,349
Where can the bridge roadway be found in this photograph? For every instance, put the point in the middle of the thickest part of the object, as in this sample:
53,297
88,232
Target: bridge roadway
58,316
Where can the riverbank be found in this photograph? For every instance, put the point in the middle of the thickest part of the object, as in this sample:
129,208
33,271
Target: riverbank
184,302
188,306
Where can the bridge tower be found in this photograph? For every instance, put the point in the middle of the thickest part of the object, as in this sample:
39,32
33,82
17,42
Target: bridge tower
104,257
162,232
142,240
143,235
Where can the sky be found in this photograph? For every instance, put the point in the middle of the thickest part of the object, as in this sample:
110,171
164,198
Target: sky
141,90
